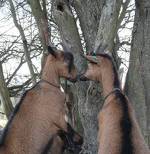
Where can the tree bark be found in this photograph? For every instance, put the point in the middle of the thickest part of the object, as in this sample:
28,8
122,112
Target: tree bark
71,42
89,96
138,77
40,15
4,95
25,45
108,26
89,13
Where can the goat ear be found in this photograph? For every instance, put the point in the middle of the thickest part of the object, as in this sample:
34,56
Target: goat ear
92,59
51,51
108,53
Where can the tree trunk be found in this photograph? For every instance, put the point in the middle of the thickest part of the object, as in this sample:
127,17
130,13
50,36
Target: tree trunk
40,15
138,77
71,42
108,26
4,95
89,94
89,14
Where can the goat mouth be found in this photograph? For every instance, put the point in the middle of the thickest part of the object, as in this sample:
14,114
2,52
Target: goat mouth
72,80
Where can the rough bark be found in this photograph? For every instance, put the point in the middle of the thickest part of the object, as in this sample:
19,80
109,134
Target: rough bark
40,15
24,40
138,77
89,13
89,96
108,26
71,42
4,95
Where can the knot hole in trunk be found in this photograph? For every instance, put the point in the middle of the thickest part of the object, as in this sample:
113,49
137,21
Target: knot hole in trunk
60,6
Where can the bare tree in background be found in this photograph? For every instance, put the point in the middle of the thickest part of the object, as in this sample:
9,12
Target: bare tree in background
11,50
24,41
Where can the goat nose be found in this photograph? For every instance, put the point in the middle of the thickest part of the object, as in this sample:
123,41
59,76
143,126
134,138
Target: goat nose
71,79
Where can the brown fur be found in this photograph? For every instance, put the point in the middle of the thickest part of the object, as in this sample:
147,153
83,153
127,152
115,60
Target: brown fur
55,148
41,112
112,114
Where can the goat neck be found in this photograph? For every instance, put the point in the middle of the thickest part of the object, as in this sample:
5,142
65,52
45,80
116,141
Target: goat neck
108,80
50,74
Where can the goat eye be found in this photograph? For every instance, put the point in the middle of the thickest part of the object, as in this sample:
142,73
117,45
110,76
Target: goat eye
92,62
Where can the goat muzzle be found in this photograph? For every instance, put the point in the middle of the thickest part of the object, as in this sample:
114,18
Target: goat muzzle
71,79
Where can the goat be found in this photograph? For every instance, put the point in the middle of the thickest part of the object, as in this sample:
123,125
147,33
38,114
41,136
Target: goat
38,125
119,132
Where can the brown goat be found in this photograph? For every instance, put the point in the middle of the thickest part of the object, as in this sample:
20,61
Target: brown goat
119,132
38,124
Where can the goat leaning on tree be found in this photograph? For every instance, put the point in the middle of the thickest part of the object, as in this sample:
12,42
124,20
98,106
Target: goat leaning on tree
38,122
119,132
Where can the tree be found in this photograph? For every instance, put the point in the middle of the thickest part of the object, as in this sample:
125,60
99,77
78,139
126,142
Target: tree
40,13
99,23
138,78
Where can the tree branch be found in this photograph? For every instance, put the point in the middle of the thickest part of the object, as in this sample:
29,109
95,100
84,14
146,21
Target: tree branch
20,29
